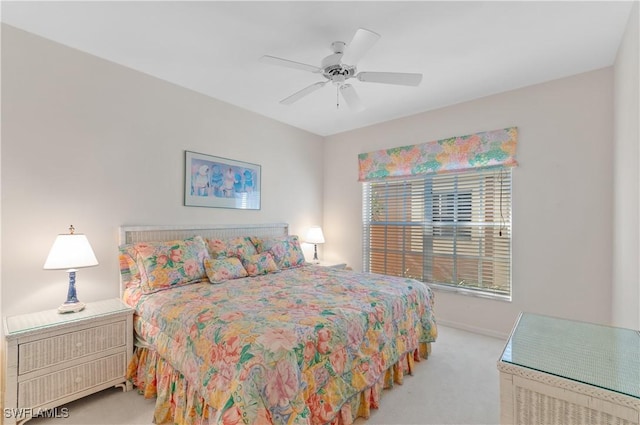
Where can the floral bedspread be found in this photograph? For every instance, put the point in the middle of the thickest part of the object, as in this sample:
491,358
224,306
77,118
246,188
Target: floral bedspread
289,347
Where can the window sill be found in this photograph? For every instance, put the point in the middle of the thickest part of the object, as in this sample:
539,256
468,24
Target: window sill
469,292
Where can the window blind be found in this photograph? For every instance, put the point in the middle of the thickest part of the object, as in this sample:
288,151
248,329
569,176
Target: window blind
452,230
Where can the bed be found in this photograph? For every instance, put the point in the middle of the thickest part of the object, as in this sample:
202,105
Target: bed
245,331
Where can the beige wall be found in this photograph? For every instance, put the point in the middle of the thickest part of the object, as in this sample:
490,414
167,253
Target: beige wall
626,246
93,144
88,142
562,202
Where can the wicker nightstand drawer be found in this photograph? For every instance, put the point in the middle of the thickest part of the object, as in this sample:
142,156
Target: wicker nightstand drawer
53,358
61,349
61,384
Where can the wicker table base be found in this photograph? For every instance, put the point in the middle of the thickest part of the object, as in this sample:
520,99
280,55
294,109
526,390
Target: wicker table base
556,371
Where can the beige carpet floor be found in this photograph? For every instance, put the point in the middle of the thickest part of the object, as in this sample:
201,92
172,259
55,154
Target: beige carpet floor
458,384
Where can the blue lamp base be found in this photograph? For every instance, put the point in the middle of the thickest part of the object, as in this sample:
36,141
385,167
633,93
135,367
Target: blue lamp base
71,305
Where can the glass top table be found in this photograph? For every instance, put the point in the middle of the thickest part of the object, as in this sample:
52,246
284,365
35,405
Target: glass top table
24,323
597,355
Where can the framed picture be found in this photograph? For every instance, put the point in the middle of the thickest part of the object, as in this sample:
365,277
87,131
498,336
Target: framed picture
211,181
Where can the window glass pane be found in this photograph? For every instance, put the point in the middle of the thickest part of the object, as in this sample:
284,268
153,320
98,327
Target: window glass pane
450,229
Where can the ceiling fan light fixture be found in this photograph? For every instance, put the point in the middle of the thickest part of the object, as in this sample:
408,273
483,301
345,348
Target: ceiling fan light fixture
341,66
338,80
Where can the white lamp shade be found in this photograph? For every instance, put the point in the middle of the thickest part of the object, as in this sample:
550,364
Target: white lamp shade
70,251
314,235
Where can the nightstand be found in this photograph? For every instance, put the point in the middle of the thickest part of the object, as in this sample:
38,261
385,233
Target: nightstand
330,264
54,358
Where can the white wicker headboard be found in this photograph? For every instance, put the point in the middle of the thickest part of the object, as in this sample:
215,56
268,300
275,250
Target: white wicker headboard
134,234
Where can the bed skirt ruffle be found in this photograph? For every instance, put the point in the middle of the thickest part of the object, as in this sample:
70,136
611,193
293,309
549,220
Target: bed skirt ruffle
178,402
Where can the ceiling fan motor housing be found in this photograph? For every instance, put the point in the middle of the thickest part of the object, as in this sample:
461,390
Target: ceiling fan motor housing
333,69
338,72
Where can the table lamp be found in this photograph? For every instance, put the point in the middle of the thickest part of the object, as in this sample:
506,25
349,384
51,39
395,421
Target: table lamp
71,251
314,236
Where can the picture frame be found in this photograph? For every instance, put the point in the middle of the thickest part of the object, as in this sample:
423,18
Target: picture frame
216,182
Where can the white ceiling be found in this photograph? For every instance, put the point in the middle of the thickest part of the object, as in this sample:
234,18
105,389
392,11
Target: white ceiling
465,50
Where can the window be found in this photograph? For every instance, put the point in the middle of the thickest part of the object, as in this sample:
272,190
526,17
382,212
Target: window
450,230
451,207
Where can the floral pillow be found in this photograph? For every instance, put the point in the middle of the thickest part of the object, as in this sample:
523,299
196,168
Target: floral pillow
286,251
128,267
221,269
167,264
260,264
240,247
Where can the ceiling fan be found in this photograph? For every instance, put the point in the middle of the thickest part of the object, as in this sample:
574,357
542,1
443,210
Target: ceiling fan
340,66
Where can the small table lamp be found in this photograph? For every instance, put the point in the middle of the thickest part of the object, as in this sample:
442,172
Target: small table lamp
71,251
314,236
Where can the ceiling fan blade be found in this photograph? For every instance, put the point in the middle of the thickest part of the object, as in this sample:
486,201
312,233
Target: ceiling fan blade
362,41
302,93
289,64
351,97
400,78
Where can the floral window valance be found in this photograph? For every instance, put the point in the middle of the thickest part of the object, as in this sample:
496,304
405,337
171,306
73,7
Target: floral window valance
486,149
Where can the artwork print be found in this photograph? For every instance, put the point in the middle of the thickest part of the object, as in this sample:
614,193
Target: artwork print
211,181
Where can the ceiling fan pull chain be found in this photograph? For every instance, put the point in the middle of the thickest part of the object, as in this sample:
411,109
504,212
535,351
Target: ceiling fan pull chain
337,98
